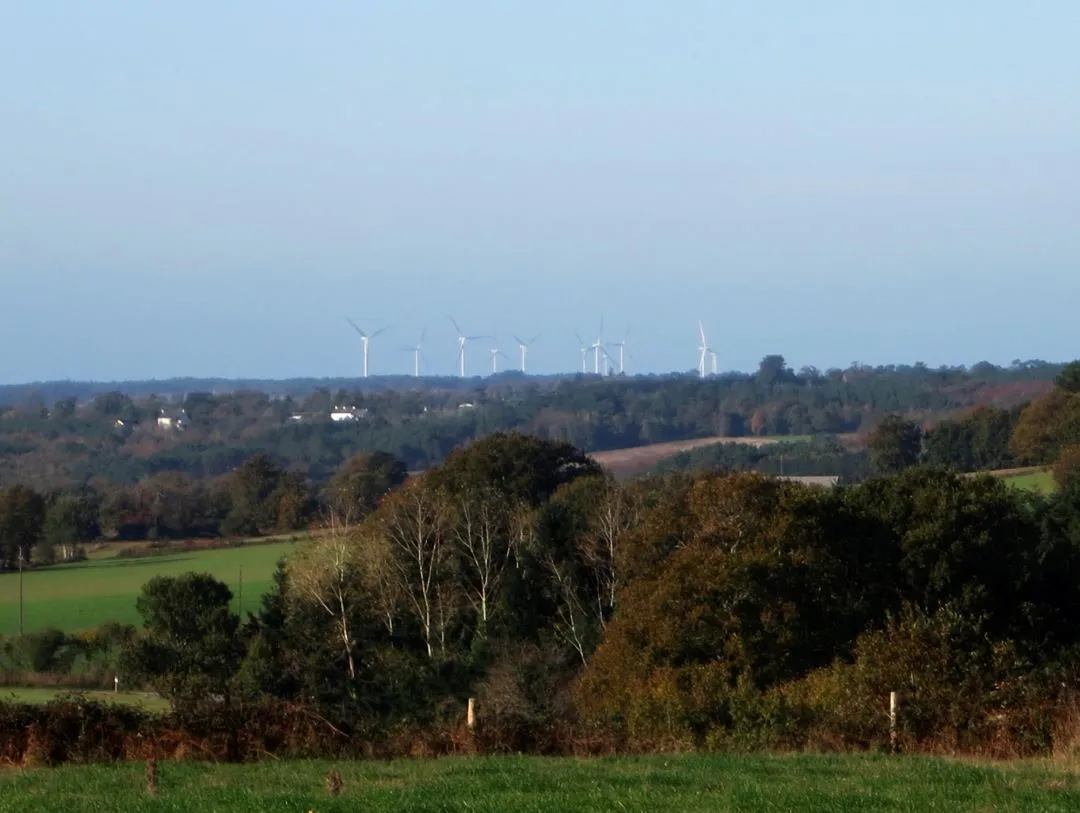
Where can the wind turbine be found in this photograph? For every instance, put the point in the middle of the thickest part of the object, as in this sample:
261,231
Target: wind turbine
365,338
462,339
523,348
705,350
417,354
712,355
598,347
622,351
495,353
584,353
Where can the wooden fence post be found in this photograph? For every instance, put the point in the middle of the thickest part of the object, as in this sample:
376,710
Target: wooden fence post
893,702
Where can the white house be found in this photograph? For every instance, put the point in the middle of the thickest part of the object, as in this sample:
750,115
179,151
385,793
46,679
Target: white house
172,419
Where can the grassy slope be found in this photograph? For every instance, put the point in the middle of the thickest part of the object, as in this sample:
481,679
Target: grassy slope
682,783
86,594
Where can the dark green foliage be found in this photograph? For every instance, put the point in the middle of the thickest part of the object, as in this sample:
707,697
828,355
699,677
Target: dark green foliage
517,467
22,517
189,649
820,456
1069,377
357,487
895,444
977,442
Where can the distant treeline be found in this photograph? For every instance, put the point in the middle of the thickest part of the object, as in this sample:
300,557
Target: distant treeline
51,441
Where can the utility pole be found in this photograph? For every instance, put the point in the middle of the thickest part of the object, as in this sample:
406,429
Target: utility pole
20,592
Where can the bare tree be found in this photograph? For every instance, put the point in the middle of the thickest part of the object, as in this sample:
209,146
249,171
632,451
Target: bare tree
484,537
571,617
615,513
414,523
325,573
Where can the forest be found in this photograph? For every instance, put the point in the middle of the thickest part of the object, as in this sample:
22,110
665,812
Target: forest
259,490
89,438
707,609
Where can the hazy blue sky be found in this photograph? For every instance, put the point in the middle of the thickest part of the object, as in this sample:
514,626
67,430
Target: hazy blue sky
209,188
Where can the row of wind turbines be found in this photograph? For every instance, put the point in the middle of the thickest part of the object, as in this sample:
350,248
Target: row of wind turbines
604,362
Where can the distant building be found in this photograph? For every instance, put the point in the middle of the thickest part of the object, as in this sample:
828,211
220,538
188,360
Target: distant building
172,419
347,413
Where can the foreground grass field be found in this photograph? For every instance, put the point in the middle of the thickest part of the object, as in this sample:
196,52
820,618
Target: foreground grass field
86,594
675,783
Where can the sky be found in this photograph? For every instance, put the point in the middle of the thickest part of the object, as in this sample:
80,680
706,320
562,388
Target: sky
210,189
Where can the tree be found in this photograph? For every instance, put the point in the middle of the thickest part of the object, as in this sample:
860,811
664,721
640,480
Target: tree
895,444
413,520
252,487
1046,426
22,517
70,521
325,574
1069,377
518,467
189,649
484,535
362,481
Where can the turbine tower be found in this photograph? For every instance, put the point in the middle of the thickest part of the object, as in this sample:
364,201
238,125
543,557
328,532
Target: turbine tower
622,351
598,347
462,339
584,354
704,351
495,353
523,348
417,354
365,339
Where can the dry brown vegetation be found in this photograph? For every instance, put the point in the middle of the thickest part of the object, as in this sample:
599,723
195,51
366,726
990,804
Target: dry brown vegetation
627,463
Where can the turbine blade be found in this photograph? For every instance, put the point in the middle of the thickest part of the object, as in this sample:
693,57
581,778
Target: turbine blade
535,339
516,339
455,324
355,327
380,330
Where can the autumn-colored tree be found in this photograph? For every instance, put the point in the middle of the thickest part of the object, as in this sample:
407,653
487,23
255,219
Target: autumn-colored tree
1046,426
1067,465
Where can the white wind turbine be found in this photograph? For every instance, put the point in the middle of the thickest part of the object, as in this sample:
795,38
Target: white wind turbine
712,355
365,338
462,339
417,352
495,353
523,348
584,353
598,348
704,350
622,351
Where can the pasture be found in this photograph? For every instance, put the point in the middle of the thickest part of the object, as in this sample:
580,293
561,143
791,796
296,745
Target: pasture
1031,478
685,783
82,595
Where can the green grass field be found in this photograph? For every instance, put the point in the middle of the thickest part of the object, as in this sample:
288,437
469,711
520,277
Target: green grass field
85,594
502,785
1038,481
144,700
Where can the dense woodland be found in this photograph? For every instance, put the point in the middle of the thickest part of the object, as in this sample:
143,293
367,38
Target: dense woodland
52,438
263,491
702,609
